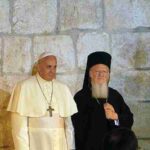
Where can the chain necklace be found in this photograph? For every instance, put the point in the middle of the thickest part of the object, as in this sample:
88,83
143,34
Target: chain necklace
99,102
50,109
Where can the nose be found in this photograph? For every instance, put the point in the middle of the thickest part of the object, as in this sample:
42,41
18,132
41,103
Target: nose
53,70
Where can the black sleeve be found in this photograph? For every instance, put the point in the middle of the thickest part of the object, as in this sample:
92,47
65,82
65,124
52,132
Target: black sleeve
79,121
124,113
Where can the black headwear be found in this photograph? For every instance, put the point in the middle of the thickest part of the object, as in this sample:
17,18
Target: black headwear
93,59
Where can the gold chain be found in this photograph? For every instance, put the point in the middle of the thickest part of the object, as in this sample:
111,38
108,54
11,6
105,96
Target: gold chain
49,103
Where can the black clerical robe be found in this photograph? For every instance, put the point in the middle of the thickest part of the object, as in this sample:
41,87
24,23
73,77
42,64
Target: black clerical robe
90,122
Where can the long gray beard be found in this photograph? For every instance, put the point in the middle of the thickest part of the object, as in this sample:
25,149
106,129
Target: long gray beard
100,90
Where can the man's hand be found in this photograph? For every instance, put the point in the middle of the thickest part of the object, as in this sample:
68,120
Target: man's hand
110,112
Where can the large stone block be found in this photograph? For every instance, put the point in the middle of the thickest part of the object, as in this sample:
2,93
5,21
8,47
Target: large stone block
61,46
141,111
85,14
3,83
70,80
141,15
6,141
79,82
4,16
7,82
144,144
91,42
17,55
131,50
0,56
133,85
34,16
127,14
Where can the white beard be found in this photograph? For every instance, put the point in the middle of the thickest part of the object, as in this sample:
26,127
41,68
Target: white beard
100,90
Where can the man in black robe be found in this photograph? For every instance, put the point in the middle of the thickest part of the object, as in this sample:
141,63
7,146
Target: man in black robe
100,108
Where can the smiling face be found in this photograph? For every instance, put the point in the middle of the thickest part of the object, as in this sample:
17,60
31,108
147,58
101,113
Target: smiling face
47,67
99,74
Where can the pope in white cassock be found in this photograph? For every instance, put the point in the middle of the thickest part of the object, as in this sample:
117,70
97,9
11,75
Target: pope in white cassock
40,109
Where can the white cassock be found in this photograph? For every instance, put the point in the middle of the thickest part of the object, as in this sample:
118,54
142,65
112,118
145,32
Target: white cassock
32,126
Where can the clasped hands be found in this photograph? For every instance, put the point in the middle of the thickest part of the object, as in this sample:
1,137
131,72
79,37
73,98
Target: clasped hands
110,112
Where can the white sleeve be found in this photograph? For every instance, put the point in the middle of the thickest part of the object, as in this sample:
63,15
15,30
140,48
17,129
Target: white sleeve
20,131
116,122
69,130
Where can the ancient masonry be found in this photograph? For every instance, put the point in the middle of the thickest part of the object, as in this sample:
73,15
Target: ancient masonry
72,29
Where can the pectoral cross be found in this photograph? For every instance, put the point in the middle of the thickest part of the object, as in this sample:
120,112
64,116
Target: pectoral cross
50,109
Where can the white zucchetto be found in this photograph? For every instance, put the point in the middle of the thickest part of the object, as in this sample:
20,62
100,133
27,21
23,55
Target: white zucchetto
45,54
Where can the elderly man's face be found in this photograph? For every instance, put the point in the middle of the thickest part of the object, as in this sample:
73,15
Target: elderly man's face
99,74
47,67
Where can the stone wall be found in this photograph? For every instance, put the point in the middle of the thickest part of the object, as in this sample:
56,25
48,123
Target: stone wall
72,29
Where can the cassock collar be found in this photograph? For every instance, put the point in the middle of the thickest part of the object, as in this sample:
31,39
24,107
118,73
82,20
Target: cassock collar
43,81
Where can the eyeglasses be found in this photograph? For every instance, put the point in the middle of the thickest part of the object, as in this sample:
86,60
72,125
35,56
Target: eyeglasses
103,73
